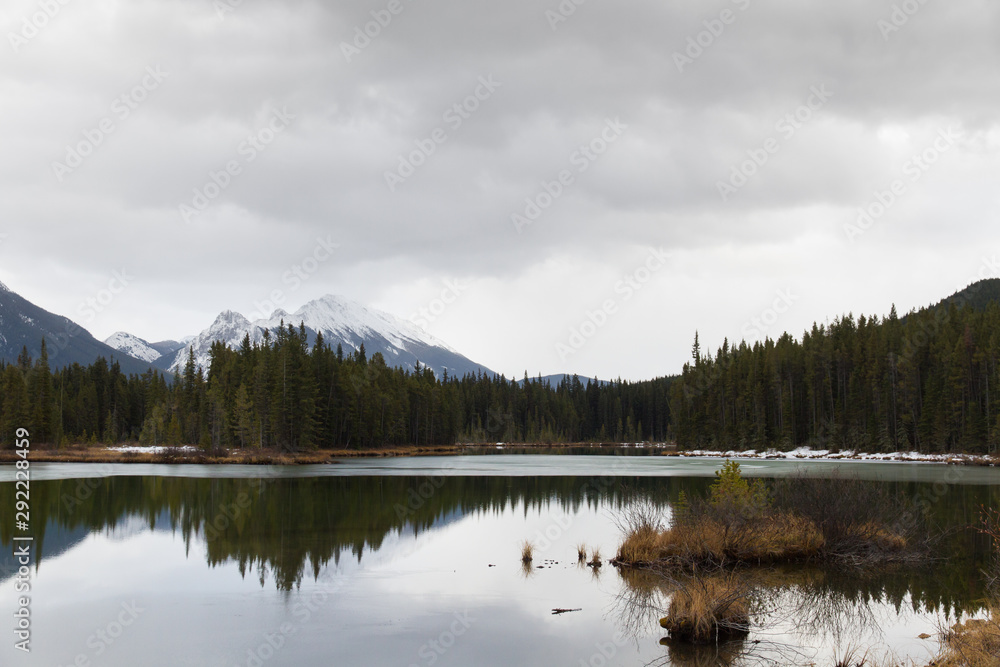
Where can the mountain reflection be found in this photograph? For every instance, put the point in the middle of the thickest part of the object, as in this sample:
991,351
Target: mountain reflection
290,528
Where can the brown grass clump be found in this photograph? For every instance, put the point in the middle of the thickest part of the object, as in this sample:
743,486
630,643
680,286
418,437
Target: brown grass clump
708,610
581,552
975,643
80,453
527,551
743,521
879,536
705,540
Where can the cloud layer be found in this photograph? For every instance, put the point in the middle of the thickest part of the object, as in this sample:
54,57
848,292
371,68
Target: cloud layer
845,154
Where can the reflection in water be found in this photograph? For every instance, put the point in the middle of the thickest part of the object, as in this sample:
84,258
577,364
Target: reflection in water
286,530
792,607
290,527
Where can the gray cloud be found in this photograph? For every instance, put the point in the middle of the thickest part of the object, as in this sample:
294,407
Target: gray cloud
657,185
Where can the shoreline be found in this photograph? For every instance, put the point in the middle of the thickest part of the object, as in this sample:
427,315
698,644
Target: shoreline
194,455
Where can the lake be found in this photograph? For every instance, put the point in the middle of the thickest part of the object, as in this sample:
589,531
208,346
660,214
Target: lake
416,562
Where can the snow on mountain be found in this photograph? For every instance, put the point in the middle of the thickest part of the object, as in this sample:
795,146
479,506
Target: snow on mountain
230,327
25,325
132,346
344,319
344,322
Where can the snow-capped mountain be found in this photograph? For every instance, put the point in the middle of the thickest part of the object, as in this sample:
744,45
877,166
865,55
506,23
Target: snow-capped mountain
132,346
344,322
154,353
24,325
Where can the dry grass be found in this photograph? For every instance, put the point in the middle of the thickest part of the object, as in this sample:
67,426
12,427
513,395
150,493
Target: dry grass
745,522
772,539
581,552
879,536
595,557
975,643
707,610
527,551
100,454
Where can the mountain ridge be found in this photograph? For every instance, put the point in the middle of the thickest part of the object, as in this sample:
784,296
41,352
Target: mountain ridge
341,321
24,324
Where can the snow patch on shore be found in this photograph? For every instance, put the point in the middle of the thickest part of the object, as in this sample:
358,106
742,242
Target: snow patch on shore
805,453
186,449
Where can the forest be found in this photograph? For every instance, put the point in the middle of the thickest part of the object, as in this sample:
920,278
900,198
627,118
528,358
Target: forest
924,382
285,395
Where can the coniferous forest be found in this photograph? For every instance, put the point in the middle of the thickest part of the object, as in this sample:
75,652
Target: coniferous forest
283,394
927,382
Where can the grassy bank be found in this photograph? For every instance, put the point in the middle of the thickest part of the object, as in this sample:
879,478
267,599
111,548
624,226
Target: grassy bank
97,454
796,520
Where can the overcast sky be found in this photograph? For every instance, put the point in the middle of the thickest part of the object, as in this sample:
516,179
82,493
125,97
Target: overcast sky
630,171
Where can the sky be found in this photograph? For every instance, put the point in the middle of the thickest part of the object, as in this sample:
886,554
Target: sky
574,186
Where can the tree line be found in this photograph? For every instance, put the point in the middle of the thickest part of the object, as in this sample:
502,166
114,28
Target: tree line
286,394
927,382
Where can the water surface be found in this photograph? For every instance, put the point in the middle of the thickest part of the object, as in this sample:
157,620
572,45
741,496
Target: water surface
414,561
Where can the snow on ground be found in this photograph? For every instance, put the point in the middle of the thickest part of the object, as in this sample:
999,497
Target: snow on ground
803,453
186,449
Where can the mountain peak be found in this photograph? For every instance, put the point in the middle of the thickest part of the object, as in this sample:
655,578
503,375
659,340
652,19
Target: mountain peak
132,346
24,324
342,321
231,317
978,295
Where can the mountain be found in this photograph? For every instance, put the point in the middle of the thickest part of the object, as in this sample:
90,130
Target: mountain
554,380
133,346
23,324
978,295
344,322
168,348
160,354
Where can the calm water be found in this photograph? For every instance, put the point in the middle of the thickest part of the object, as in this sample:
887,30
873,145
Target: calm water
416,562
